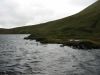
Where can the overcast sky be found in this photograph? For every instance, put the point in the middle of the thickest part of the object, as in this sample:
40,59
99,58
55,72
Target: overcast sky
28,12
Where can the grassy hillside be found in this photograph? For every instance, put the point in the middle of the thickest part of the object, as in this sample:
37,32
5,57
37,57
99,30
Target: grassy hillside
3,31
84,25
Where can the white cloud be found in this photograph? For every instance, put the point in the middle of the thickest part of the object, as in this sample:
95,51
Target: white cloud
23,12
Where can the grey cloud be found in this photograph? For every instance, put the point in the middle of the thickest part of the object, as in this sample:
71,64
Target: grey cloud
11,16
82,2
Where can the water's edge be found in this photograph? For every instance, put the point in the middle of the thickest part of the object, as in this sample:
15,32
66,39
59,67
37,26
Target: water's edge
80,44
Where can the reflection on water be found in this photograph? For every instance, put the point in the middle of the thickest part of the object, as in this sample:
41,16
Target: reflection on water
25,57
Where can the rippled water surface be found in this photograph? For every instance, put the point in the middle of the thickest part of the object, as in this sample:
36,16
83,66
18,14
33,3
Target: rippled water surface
25,57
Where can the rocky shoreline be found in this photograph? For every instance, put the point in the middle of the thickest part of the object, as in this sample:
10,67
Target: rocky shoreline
73,43
83,45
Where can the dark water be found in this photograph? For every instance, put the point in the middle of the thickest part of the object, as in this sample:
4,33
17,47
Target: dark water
25,57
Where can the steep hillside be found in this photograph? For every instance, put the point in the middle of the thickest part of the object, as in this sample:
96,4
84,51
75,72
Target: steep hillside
85,23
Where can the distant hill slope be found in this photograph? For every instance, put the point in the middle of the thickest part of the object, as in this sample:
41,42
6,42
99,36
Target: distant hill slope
84,25
3,31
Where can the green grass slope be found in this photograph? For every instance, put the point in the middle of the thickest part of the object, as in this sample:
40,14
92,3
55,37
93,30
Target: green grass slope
84,25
